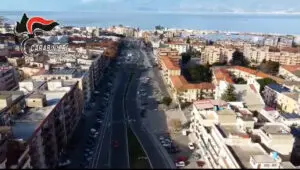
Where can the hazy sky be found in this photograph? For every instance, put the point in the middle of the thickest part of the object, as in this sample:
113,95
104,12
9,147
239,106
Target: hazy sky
269,6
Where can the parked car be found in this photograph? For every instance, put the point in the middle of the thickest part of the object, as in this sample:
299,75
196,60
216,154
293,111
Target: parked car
65,163
191,146
180,164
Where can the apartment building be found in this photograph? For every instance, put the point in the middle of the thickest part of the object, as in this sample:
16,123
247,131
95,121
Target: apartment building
248,94
273,116
278,96
276,137
216,54
170,67
188,92
285,57
70,74
8,77
43,125
173,53
290,72
256,54
221,130
247,73
198,46
181,47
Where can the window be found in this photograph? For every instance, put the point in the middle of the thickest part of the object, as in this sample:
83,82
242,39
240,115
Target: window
266,165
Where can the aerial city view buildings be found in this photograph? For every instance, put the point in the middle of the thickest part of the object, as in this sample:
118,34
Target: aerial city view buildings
80,91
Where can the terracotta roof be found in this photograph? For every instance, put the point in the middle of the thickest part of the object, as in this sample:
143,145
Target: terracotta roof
258,73
222,74
171,65
291,68
180,83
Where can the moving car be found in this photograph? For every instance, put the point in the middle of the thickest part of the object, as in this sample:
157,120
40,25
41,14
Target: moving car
115,144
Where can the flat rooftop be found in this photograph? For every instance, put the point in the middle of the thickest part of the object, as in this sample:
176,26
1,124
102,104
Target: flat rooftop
275,129
14,94
209,104
64,71
233,130
25,125
244,152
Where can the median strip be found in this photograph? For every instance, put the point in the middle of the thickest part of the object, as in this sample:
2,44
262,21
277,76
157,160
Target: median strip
137,157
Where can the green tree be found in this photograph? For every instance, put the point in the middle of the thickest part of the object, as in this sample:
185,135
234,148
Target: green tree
166,100
229,94
240,81
159,27
161,36
269,67
185,58
200,73
265,81
239,59
155,33
188,41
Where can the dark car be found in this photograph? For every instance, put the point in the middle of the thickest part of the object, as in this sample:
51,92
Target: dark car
143,113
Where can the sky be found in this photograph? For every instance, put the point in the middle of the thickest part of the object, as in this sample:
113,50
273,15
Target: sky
174,6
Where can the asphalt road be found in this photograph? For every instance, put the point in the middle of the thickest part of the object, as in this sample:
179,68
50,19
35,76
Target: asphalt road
157,160
119,155
111,157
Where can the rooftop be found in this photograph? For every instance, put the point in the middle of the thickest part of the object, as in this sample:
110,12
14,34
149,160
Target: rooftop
249,96
170,65
275,128
290,116
209,104
14,94
222,74
291,68
62,71
244,152
278,88
292,95
232,130
263,159
258,73
180,83
27,123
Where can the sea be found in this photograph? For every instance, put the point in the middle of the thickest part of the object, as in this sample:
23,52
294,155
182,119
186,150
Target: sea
255,23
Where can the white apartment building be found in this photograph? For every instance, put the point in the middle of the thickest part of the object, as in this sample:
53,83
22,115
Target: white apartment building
277,137
215,54
256,54
85,81
181,47
222,137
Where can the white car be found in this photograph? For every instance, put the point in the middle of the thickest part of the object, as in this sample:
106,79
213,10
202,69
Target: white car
93,130
67,162
180,164
191,146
